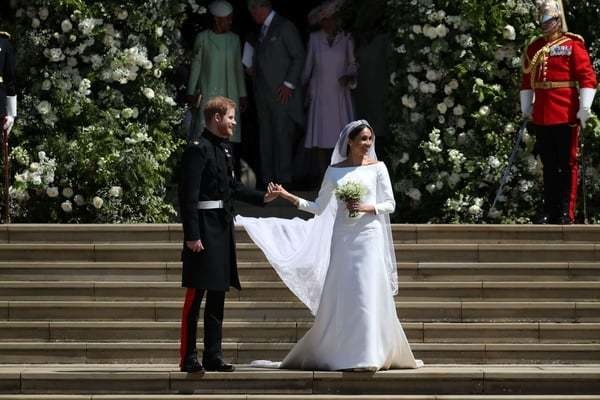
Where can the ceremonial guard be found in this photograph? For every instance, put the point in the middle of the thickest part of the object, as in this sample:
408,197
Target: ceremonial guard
207,190
558,88
8,87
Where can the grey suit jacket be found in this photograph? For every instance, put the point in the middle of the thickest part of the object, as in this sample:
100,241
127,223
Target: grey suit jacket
280,57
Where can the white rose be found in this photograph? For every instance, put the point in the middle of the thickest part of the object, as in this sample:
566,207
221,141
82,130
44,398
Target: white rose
135,112
66,26
432,75
474,210
493,162
79,200
115,191
441,30
122,14
509,32
36,180
97,202
157,73
127,113
67,192
430,187
442,108
453,84
409,101
417,29
44,107
35,23
67,206
149,93
55,55
158,31
52,191
461,122
405,157
413,82
484,110
46,85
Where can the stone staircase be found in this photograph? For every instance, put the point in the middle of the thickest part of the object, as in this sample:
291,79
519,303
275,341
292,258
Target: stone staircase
496,312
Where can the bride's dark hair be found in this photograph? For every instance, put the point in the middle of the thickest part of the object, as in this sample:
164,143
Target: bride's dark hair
354,132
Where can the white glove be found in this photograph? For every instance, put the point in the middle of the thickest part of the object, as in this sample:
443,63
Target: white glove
11,113
586,98
8,123
526,103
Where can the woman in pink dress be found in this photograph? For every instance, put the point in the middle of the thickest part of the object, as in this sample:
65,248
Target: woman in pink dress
329,72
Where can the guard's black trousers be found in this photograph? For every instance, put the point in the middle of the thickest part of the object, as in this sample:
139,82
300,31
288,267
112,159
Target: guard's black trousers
558,147
213,324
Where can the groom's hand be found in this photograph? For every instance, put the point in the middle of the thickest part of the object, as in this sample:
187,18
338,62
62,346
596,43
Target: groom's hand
272,193
195,246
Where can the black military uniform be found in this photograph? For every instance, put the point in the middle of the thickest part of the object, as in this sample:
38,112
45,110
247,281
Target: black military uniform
8,85
207,190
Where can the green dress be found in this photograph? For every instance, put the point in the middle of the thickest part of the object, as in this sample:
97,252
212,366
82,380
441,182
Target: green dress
216,70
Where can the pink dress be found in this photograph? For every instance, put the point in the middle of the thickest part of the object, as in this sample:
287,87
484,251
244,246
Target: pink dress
330,103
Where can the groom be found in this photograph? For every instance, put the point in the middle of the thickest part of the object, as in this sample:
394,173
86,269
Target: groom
207,189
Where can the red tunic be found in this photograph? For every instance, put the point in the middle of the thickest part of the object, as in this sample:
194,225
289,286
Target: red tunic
562,62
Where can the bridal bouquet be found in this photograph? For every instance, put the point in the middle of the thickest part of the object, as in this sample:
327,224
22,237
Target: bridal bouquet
350,192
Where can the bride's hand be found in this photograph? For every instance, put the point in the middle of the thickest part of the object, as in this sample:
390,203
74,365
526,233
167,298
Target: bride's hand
280,190
357,206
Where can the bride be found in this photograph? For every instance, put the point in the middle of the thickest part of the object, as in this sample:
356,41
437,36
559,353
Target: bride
343,268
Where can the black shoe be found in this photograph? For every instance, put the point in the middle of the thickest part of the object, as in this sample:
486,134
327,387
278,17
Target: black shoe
218,365
192,365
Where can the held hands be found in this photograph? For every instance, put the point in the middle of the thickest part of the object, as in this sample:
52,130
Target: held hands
356,206
195,246
272,193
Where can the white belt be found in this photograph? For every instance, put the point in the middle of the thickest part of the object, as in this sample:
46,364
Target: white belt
210,204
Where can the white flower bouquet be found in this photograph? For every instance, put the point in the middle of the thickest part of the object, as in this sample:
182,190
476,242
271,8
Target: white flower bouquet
350,192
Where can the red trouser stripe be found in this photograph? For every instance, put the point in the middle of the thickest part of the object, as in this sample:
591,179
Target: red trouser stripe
574,167
190,296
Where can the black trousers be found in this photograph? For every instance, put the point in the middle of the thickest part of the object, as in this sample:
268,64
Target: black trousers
558,146
213,324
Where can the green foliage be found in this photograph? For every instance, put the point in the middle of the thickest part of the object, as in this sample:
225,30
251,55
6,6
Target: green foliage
95,139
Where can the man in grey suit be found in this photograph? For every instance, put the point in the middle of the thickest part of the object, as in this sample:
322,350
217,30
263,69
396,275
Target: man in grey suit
278,63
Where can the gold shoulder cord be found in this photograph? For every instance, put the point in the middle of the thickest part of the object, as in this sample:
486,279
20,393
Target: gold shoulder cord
541,56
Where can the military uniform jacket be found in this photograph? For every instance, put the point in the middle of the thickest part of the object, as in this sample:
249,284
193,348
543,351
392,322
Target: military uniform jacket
207,174
8,85
555,70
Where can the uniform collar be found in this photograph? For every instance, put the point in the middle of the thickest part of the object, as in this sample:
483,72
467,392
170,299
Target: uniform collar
211,137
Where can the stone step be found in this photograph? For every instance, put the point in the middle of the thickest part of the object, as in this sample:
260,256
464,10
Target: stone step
431,379
289,397
243,352
402,233
261,291
155,252
294,311
262,271
277,332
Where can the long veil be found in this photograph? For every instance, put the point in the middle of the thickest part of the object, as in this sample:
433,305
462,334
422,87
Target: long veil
299,250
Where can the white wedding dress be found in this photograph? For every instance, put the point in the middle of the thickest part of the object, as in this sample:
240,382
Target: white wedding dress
356,325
